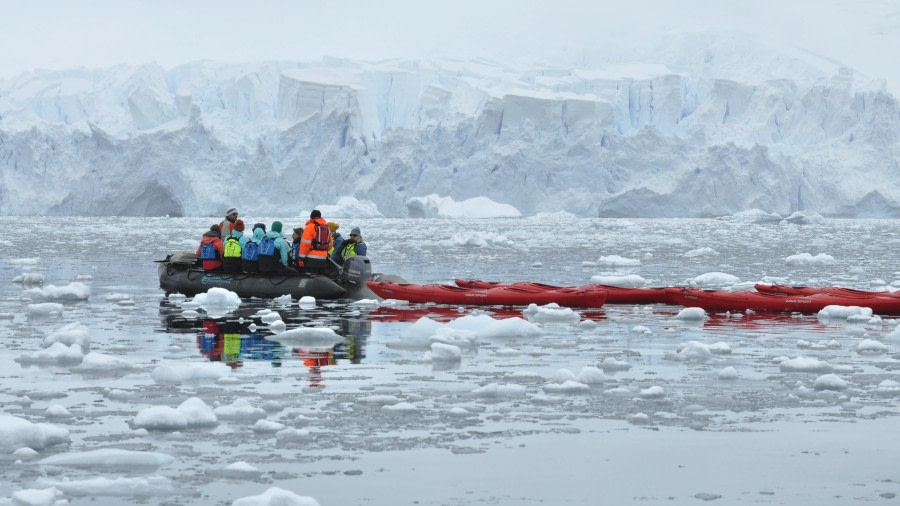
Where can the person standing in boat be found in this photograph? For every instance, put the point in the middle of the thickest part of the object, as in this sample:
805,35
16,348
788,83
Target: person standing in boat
211,249
231,262
314,244
250,248
273,251
226,225
353,246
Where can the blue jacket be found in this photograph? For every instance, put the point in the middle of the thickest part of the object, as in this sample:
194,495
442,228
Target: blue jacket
337,240
280,244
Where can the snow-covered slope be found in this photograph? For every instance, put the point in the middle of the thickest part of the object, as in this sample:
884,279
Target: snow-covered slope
715,125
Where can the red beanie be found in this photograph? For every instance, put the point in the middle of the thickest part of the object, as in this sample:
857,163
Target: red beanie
239,225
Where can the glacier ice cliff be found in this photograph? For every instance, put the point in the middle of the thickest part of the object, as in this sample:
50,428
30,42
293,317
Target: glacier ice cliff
654,140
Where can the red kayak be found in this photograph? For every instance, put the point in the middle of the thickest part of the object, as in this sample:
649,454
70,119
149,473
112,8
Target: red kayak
497,296
742,301
809,290
615,294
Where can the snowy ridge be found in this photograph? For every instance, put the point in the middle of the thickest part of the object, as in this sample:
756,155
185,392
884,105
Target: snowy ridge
702,134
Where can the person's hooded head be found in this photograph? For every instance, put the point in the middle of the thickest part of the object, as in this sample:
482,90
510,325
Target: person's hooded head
315,214
276,226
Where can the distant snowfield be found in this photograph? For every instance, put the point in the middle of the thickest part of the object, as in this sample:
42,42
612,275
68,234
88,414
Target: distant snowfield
700,124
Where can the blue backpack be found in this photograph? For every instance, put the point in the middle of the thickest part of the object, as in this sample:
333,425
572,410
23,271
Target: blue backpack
250,251
208,252
267,246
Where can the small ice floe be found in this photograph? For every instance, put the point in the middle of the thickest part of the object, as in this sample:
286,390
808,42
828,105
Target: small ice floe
640,329
454,337
701,252
29,278
56,353
97,363
72,292
551,313
486,327
109,458
18,433
310,337
45,309
23,261
566,387
240,410
401,407
625,281
84,277
291,435
617,261
364,302
537,265
193,412
277,327
639,418
714,279
830,382
458,411
872,347
441,352
654,392
611,364
283,301
379,400
190,314
25,454
563,375
218,301
73,333
497,391
819,345
239,470
267,426
116,297
728,373
693,350
804,259
57,411
269,316
845,312
7,316
590,375
37,497
691,314
804,217
587,325
307,302
276,496
175,372
888,387
137,487
805,364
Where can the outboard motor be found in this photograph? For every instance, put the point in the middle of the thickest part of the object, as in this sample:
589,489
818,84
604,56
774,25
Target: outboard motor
357,270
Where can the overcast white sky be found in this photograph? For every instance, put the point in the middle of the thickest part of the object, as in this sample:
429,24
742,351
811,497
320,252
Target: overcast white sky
58,34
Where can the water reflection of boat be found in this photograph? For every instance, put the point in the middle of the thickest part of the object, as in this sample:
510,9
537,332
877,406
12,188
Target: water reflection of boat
233,342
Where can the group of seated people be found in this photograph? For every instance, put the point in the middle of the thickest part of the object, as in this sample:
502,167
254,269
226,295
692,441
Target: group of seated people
317,247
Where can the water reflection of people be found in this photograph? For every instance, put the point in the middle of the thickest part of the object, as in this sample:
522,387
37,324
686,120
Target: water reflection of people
232,342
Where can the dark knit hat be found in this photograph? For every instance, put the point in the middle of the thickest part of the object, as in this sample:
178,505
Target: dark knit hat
216,229
238,225
259,225
276,226
355,231
315,214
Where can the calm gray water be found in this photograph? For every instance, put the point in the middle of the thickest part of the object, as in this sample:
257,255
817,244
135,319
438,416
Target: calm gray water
495,449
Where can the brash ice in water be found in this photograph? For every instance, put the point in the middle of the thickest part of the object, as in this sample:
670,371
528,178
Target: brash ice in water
112,393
